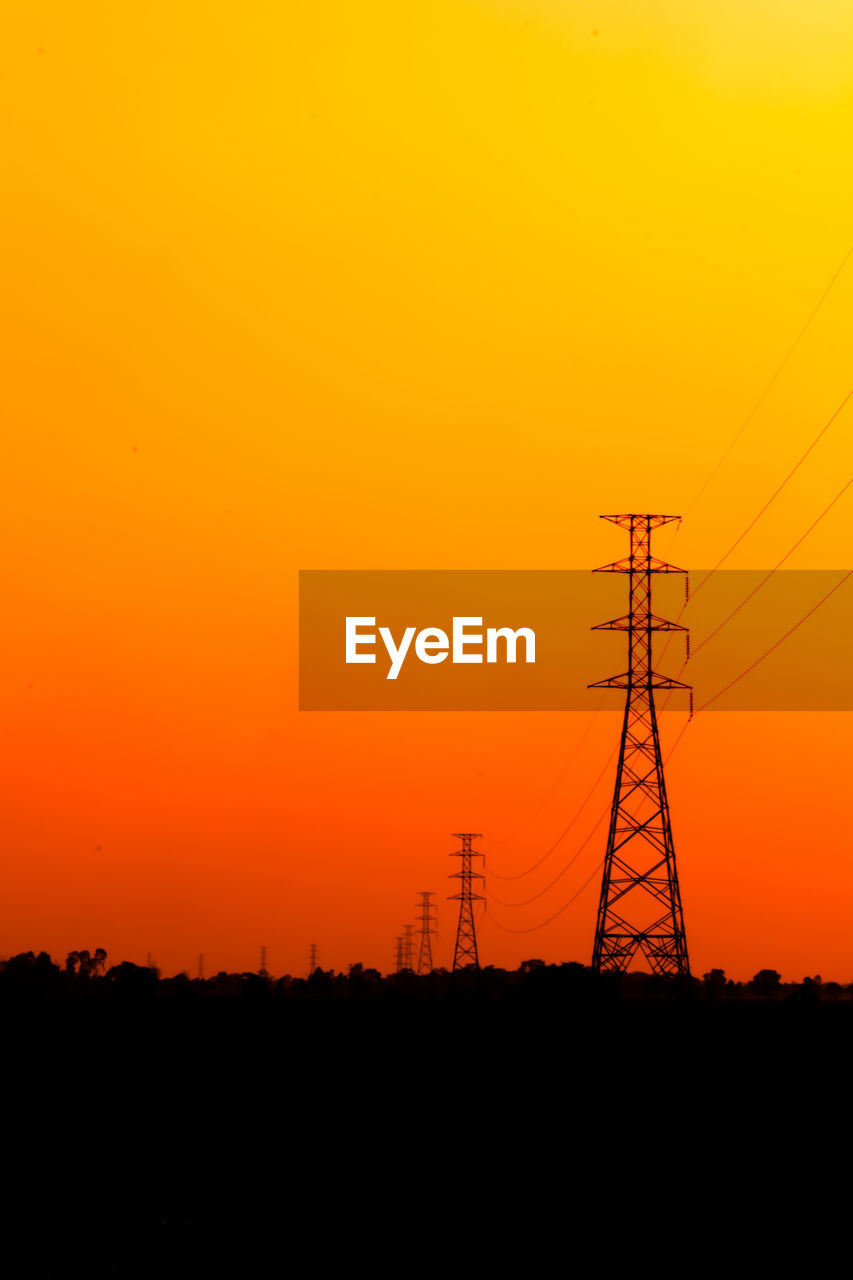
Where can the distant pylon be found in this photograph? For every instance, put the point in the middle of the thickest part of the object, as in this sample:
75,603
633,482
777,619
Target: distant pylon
201,966
426,920
398,954
312,959
640,905
465,951
263,969
408,946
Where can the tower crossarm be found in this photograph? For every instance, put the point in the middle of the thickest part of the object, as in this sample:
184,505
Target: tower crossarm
626,622
637,564
650,680
633,521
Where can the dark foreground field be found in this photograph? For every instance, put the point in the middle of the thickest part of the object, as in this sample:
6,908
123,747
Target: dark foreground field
530,1125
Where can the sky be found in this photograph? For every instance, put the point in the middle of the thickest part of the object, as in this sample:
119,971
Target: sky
403,285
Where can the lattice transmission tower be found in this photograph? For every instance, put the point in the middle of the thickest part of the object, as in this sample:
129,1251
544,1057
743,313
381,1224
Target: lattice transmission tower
426,920
640,906
465,951
408,946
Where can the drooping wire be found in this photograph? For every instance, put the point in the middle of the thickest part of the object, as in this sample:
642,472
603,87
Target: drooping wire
771,383
692,709
763,581
776,567
776,643
519,875
688,594
717,566
766,506
760,659
560,776
674,746
559,912
775,494
560,874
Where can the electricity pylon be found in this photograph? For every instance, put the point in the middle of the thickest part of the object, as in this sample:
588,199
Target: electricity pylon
427,919
408,946
640,905
465,951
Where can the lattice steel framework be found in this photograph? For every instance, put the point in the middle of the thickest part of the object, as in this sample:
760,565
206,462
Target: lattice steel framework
465,951
426,920
640,906
408,946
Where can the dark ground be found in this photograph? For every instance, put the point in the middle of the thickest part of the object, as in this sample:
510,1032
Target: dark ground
520,1125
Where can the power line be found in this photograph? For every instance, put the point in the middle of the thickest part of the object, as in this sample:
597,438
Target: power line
776,644
769,386
559,876
708,576
672,749
684,727
762,397
565,830
776,491
765,654
764,580
681,733
720,562
560,776
775,568
559,912
767,504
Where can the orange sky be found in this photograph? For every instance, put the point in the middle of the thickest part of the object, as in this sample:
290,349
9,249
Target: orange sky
400,285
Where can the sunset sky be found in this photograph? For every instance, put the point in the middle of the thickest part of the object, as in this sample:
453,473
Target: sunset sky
403,284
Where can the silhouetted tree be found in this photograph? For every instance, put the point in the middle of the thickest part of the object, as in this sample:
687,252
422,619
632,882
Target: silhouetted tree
132,979
714,983
767,983
30,975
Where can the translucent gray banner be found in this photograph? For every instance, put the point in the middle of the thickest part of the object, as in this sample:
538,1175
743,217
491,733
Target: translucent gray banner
522,640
